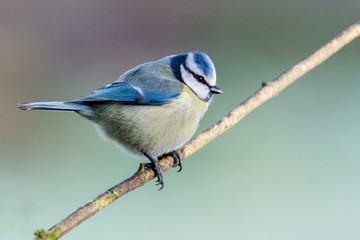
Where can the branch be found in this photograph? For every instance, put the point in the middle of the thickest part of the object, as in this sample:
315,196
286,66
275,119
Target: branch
144,175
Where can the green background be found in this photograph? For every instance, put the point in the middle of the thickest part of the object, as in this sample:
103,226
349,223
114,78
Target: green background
289,170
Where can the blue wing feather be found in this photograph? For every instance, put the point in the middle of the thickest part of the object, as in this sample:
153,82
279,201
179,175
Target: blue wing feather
152,91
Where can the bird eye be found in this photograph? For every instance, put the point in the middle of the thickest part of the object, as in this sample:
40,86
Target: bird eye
200,78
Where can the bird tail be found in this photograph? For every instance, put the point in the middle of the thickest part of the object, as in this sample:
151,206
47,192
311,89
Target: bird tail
53,106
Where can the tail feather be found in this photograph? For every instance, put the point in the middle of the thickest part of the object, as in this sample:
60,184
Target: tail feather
53,106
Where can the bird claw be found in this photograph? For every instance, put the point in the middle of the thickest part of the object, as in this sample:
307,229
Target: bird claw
158,173
157,169
177,159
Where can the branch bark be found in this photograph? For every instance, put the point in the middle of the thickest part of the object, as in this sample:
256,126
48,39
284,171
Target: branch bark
142,176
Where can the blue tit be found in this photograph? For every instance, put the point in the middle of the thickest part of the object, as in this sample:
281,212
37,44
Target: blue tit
152,109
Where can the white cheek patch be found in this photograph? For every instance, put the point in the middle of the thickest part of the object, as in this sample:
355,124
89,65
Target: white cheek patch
201,90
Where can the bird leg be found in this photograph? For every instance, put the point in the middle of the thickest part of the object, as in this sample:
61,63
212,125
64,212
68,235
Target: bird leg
157,169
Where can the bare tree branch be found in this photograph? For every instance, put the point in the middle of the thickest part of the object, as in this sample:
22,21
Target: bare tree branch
142,176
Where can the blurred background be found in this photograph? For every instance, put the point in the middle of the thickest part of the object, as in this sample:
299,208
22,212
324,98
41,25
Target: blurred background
289,170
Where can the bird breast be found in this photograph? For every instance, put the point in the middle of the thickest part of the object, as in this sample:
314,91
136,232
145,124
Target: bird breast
155,130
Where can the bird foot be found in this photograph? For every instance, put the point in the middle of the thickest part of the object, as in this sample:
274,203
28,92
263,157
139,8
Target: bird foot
157,169
177,159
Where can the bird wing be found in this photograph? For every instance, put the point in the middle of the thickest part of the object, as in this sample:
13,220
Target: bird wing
150,91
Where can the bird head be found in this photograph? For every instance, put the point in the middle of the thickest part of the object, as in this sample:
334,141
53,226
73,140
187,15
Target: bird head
197,71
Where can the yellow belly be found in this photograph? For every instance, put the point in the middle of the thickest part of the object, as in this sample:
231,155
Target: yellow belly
155,130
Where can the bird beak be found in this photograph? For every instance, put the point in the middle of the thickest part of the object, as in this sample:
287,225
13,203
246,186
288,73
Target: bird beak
216,90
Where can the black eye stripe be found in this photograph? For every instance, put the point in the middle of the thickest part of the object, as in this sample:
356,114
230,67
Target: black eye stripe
199,78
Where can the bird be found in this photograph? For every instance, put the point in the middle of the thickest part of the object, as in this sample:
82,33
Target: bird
152,109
